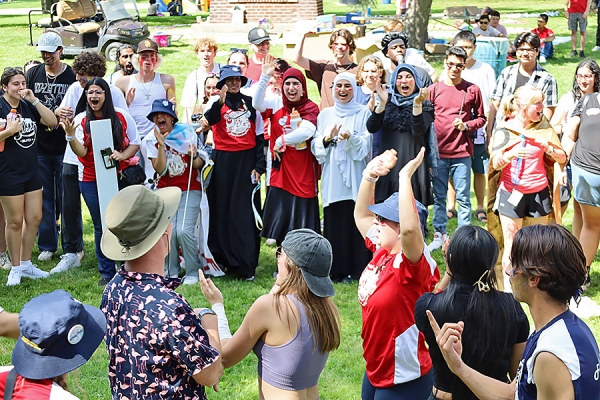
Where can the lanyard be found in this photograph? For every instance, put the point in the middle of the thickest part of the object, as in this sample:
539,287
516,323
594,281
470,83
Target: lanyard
516,174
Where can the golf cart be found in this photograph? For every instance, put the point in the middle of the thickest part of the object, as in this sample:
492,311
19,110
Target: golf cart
102,26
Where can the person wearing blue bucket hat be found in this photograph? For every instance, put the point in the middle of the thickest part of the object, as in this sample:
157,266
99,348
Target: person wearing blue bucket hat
171,154
239,161
58,335
399,273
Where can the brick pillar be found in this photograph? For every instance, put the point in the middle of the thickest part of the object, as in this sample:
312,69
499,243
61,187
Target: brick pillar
276,10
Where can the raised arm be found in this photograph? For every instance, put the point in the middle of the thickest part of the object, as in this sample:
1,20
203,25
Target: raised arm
410,227
379,166
299,49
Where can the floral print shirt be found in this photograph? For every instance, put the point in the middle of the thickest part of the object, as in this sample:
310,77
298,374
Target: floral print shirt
154,339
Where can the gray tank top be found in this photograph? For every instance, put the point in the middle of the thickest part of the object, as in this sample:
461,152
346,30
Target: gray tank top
293,365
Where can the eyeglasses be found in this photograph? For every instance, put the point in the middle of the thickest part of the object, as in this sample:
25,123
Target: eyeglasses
278,252
95,92
584,76
265,43
451,65
236,50
526,50
483,23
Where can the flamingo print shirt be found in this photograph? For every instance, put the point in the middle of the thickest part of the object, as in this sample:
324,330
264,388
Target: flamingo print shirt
154,339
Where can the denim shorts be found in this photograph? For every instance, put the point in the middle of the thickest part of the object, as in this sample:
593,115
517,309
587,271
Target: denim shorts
480,159
586,186
577,19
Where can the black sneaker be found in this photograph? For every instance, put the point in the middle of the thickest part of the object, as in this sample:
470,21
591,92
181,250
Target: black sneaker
103,282
581,54
573,53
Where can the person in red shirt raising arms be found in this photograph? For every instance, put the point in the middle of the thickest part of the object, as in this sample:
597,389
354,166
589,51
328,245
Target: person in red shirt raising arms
399,273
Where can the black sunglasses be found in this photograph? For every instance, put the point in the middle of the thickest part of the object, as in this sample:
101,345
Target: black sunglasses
236,50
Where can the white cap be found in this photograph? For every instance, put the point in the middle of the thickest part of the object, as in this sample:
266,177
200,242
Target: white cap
49,42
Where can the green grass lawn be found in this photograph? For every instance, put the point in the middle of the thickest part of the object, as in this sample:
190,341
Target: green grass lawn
343,373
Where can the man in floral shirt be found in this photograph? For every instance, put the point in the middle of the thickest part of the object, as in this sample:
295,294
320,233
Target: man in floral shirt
159,347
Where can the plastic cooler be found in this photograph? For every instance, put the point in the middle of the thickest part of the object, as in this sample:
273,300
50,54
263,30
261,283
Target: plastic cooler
492,55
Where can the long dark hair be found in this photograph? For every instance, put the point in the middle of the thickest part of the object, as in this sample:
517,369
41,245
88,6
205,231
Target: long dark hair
108,112
472,256
592,65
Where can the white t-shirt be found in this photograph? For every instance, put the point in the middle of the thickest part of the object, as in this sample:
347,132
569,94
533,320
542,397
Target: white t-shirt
490,32
193,90
481,74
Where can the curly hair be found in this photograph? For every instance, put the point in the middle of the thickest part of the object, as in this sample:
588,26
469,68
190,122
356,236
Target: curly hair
345,33
553,255
206,42
89,63
375,60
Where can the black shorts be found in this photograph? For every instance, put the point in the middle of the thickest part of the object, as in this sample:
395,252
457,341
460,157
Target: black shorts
534,205
31,185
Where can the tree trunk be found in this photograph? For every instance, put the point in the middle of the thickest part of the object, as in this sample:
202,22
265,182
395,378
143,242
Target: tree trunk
415,24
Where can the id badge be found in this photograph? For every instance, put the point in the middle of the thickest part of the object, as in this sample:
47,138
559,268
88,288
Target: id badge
515,198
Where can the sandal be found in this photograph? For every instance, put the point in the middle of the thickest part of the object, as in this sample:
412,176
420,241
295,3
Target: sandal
450,213
481,215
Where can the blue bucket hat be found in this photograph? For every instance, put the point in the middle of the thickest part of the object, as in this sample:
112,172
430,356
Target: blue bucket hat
230,71
164,106
58,334
389,210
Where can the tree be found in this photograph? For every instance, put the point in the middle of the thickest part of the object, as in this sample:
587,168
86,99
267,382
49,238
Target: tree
415,24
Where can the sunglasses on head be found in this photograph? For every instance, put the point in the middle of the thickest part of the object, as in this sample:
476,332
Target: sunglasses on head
236,50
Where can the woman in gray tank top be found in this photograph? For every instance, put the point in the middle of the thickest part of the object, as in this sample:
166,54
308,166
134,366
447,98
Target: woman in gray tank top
293,328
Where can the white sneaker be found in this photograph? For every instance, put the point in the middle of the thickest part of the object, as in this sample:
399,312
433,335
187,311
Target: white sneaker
542,59
190,280
271,242
33,272
596,48
437,242
45,255
5,261
14,277
67,261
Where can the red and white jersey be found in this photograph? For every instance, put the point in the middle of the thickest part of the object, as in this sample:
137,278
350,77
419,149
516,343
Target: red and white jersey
394,349
28,389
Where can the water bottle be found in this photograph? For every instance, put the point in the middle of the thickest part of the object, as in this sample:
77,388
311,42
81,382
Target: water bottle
12,116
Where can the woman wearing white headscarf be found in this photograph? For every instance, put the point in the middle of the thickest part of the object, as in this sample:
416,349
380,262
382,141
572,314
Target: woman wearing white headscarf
342,146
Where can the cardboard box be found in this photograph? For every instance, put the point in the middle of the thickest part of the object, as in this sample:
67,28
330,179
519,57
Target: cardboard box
468,11
434,48
364,47
316,45
326,23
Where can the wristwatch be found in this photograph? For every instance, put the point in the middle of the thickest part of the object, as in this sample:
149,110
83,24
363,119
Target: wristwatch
205,311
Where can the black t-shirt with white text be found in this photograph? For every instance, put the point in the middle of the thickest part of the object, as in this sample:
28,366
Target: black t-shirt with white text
18,161
50,92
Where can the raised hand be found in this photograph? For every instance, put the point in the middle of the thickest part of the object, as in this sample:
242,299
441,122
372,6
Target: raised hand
334,132
382,93
411,166
223,93
449,339
68,126
212,293
422,96
382,164
27,94
129,96
160,138
268,66
344,136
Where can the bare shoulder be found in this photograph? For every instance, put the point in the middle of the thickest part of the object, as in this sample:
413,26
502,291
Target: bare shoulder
123,82
167,79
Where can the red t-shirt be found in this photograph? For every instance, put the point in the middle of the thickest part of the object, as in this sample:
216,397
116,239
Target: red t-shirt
28,389
577,6
254,70
543,34
235,131
89,171
448,101
299,168
178,172
388,290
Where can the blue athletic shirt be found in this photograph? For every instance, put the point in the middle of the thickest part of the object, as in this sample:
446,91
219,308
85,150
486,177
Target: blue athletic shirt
569,339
